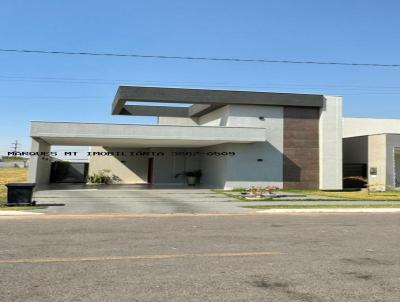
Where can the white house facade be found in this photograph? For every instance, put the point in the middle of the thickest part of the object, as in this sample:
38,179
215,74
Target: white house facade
236,139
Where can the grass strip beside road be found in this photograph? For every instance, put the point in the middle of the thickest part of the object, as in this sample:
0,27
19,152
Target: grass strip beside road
353,195
324,195
23,208
231,194
324,206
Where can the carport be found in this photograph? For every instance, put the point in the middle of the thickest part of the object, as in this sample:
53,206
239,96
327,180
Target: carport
132,137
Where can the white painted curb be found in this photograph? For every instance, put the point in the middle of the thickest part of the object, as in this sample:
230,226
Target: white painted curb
17,213
338,210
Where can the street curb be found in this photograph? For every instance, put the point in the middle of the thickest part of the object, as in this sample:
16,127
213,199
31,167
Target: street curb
336,210
21,214
17,213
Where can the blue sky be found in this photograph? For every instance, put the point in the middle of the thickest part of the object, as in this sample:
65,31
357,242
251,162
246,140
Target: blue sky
73,88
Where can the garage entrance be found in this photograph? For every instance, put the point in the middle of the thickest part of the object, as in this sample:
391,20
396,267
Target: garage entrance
68,172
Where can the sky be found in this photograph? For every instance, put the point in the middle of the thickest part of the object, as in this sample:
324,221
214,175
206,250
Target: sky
81,88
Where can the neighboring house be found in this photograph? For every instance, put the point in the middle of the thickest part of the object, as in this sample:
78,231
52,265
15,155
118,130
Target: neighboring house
371,148
236,138
11,164
7,162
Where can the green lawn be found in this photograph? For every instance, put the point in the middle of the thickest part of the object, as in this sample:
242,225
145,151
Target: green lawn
339,195
24,208
353,195
330,206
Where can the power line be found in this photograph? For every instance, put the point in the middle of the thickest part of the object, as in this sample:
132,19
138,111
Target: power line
102,98
120,81
326,87
145,56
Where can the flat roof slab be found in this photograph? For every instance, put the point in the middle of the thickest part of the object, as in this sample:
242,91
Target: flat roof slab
128,135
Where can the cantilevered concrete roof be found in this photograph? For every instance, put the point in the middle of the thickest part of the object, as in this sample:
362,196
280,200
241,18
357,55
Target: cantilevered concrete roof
128,135
203,100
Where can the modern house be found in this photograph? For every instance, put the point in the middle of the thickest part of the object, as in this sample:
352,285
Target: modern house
371,149
236,139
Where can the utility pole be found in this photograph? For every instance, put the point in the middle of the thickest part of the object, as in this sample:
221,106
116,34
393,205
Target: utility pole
15,146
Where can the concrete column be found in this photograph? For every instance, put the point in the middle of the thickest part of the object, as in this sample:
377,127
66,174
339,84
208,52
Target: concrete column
39,166
377,160
330,144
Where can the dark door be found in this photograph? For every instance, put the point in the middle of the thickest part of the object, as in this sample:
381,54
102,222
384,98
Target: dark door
66,172
150,166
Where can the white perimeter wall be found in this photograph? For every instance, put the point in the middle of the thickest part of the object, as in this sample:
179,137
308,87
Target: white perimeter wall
377,158
369,126
330,144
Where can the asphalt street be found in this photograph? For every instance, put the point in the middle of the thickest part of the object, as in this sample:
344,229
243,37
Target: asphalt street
307,257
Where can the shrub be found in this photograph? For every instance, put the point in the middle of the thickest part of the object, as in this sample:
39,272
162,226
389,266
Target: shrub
101,177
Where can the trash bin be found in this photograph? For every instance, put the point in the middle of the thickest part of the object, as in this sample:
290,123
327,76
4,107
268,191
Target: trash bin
19,194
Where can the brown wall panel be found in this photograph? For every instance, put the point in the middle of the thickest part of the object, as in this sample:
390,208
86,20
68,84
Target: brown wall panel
301,148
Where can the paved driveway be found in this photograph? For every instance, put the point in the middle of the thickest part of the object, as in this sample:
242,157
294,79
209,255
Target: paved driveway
80,200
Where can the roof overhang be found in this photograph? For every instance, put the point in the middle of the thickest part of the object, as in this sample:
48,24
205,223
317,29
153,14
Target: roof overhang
128,135
203,100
